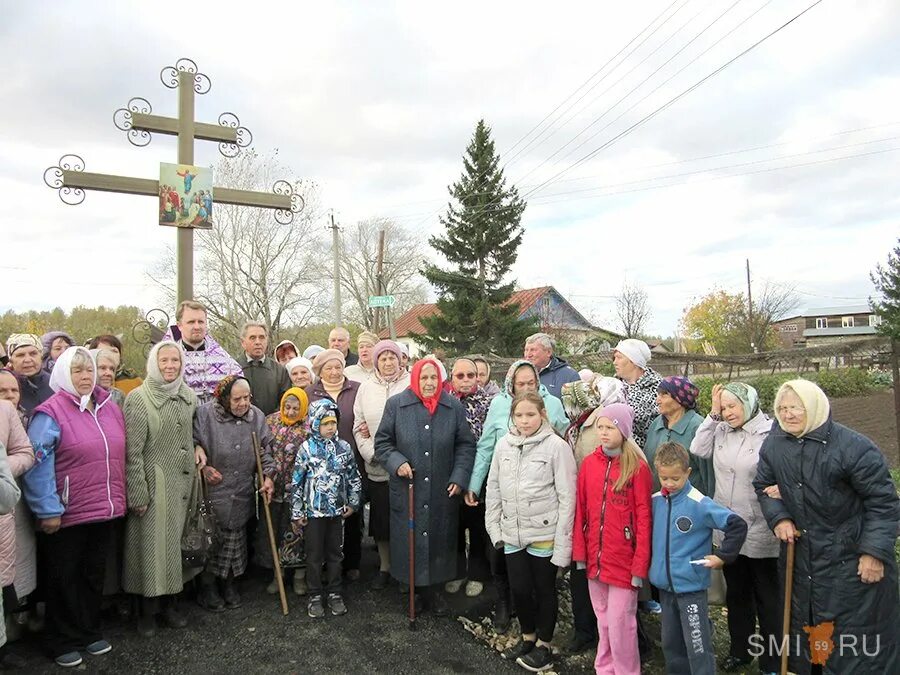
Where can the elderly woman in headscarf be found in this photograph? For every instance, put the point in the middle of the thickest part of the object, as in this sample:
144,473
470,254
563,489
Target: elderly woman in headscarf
630,359
424,438
300,370
364,369
160,468
54,344
678,421
224,429
473,568
332,383
107,363
390,379
126,378
285,351
24,352
828,489
582,401
288,433
76,489
484,376
731,436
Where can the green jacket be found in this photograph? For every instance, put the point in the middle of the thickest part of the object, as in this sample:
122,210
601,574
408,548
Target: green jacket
497,425
702,476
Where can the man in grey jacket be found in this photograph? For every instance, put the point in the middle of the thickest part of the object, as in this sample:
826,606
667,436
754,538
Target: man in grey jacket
554,371
268,379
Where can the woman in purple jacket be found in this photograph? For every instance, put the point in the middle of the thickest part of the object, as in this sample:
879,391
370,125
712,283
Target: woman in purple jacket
75,490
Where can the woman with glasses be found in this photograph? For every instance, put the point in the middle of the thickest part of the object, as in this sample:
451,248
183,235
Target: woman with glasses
827,488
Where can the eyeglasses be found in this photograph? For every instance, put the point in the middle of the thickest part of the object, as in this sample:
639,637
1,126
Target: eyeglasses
792,409
464,376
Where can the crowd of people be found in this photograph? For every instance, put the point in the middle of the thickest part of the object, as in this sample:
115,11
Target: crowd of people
618,481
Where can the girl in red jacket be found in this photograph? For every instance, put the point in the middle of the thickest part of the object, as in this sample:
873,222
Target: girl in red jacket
611,538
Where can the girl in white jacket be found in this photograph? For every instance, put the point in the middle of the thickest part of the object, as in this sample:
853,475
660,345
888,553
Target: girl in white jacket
529,513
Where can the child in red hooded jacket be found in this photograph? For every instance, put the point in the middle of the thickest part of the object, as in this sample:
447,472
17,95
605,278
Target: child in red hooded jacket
611,538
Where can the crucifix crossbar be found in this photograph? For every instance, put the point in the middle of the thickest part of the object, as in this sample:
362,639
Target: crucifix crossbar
71,180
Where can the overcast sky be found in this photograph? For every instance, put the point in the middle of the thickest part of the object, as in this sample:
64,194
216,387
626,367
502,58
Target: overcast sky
376,102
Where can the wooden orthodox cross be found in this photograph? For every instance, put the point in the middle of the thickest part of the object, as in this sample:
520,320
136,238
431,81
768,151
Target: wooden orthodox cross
71,180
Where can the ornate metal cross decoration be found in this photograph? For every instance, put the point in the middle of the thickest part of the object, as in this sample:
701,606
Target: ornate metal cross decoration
71,180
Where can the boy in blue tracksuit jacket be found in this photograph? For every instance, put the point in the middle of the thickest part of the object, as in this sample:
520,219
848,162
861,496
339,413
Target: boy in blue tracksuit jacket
683,521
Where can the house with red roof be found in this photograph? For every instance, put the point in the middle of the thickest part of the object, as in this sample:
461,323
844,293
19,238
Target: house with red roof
556,316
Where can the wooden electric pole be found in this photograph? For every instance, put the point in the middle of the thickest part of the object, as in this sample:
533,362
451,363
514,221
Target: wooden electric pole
336,247
750,309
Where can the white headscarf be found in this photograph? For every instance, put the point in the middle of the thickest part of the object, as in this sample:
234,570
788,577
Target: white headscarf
635,351
61,375
814,400
300,361
154,374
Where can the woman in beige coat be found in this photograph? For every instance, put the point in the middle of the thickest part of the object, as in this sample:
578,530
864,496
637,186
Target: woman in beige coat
732,434
387,380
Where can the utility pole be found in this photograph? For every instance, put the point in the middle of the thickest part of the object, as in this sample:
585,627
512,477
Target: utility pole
379,279
336,247
382,289
750,309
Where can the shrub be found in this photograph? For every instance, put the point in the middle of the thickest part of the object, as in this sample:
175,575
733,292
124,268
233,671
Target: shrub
880,378
835,383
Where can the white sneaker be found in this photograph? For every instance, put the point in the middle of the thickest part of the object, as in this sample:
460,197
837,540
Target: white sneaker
453,586
473,589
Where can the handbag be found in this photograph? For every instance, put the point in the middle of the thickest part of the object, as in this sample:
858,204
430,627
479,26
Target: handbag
200,537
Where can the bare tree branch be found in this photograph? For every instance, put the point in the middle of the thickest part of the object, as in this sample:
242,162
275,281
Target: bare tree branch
633,310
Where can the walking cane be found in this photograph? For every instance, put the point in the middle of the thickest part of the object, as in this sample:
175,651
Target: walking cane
788,590
275,558
412,555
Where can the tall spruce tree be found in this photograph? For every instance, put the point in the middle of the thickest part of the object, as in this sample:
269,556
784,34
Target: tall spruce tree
481,242
887,282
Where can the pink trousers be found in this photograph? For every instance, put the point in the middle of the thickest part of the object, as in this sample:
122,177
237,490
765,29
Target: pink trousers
616,609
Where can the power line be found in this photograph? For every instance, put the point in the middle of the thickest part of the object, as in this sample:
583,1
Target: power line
634,89
676,162
580,98
546,199
676,98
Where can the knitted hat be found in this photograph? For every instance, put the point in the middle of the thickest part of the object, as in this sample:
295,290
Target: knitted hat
385,346
18,340
324,357
620,414
635,351
681,389
366,338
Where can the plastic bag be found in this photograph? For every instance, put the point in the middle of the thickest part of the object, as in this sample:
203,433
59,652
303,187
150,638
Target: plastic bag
200,537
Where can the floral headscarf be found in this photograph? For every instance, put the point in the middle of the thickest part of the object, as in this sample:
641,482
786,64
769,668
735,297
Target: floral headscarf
222,392
511,375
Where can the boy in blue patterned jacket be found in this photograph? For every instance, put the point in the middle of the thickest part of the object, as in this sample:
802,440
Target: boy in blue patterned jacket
326,489
683,521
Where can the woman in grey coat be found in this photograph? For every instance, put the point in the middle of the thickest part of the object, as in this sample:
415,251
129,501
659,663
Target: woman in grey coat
424,437
223,428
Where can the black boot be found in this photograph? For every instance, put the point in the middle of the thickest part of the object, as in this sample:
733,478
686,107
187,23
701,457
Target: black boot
209,598
230,593
501,615
171,614
439,606
146,621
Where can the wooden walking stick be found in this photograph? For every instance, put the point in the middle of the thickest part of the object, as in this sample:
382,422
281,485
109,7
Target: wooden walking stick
412,556
788,591
276,562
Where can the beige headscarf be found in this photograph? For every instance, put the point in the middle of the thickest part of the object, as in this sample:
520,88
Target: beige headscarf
814,400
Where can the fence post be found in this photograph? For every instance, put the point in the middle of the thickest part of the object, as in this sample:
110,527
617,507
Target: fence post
895,371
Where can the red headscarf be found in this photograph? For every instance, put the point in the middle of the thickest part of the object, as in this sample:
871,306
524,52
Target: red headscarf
430,403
